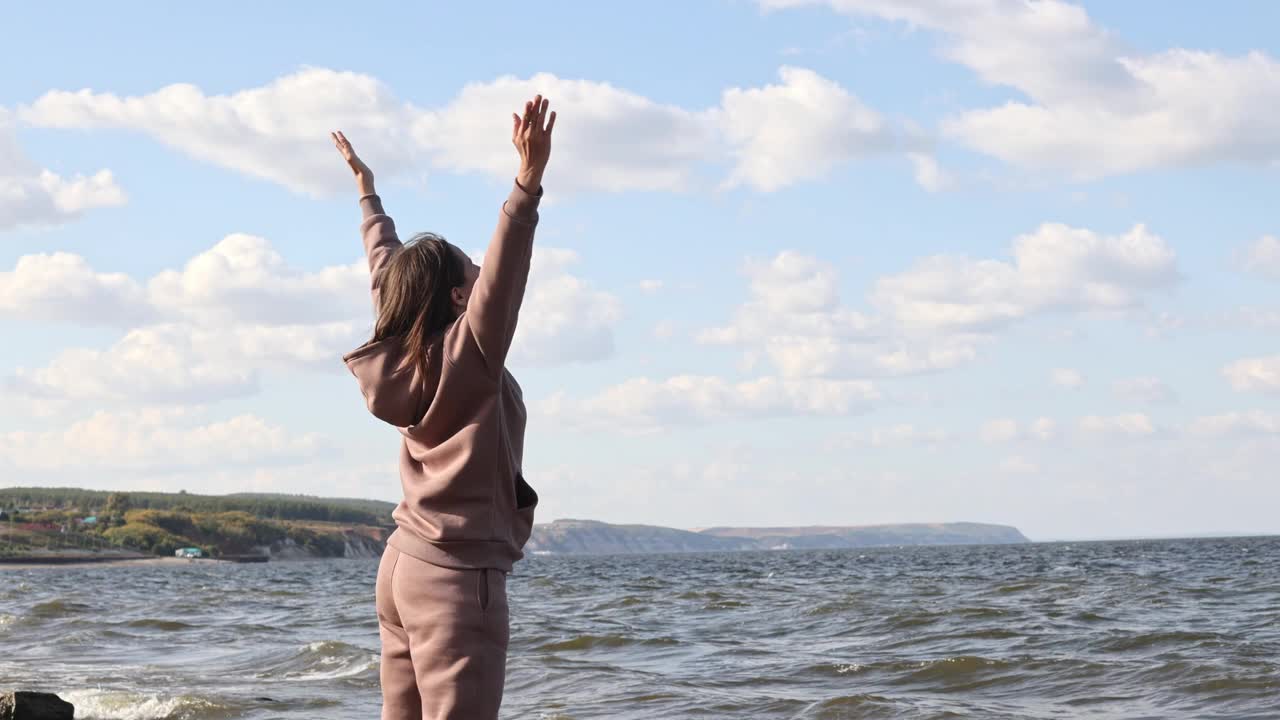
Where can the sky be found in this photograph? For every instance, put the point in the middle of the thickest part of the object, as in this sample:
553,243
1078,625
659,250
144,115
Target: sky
799,262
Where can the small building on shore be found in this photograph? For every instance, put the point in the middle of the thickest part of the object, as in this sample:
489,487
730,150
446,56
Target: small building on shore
188,553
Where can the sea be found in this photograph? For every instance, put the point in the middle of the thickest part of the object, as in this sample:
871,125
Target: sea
1135,629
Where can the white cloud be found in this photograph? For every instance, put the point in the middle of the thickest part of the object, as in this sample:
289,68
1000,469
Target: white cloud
929,175
1254,317
1254,374
1125,425
1263,257
612,139
794,316
153,439
1093,106
1043,429
564,319
243,278
900,435
207,331
1000,431
32,196
1067,378
1056,268
1018,465
1145,389
1235,423
62,287
606,138
797,130
278,132
175,363
651,286
645,403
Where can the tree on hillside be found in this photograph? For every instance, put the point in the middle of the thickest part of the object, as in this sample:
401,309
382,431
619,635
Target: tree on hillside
118,505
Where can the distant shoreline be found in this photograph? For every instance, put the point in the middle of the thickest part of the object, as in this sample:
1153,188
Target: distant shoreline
54,561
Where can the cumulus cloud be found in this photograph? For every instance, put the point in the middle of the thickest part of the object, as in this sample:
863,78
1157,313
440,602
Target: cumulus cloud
938,314
1262,257
900,435
1055,268
614,140
1067,378
1235,424
1000,431
564,319
179,363
1018,465
1260,374
1145,389
277,132
152,439
62,287
1043,428
1093,106
929,175
607,138
35,196
1124,425
794,316
1262,318
644,403
242,277
796,130
207,331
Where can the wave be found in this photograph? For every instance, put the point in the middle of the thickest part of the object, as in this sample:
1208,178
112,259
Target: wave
593,642
325,660
156,624
58,608
1145,641
119,705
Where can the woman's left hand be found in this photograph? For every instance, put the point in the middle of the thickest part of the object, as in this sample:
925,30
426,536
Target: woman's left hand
364,176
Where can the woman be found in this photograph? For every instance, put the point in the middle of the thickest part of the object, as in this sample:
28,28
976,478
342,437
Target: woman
435,368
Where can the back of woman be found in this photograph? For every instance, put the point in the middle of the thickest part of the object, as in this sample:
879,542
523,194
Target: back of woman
435,369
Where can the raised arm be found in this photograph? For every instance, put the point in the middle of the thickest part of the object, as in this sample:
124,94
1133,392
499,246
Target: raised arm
376,227
495,300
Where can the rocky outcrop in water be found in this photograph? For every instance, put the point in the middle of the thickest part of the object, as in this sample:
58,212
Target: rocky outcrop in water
34,706
593,537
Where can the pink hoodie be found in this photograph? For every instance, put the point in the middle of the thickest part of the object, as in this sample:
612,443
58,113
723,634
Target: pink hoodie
466,504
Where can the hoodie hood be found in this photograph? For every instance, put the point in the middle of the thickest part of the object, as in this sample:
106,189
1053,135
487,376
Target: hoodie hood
393,387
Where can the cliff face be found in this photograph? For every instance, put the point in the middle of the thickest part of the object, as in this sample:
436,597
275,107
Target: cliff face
338,544
587,536
590,536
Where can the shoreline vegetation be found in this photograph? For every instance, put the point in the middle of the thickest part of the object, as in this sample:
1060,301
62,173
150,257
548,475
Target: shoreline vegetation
47,527
73,526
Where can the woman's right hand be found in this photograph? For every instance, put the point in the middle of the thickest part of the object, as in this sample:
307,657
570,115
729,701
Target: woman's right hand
531,135
364,176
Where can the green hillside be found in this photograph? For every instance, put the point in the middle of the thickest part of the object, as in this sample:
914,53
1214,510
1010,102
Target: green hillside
273,506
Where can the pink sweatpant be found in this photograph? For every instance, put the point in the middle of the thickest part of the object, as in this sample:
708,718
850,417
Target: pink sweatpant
444,639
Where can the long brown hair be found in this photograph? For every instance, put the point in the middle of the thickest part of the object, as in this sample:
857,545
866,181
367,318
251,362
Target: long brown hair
415,302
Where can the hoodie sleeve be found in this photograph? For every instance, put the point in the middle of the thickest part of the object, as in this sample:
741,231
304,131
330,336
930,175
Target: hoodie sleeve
380,240
495,300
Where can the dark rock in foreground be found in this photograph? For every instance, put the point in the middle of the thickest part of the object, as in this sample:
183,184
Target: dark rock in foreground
34,706
571,537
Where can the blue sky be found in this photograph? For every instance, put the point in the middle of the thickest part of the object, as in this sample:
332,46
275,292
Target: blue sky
839,262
